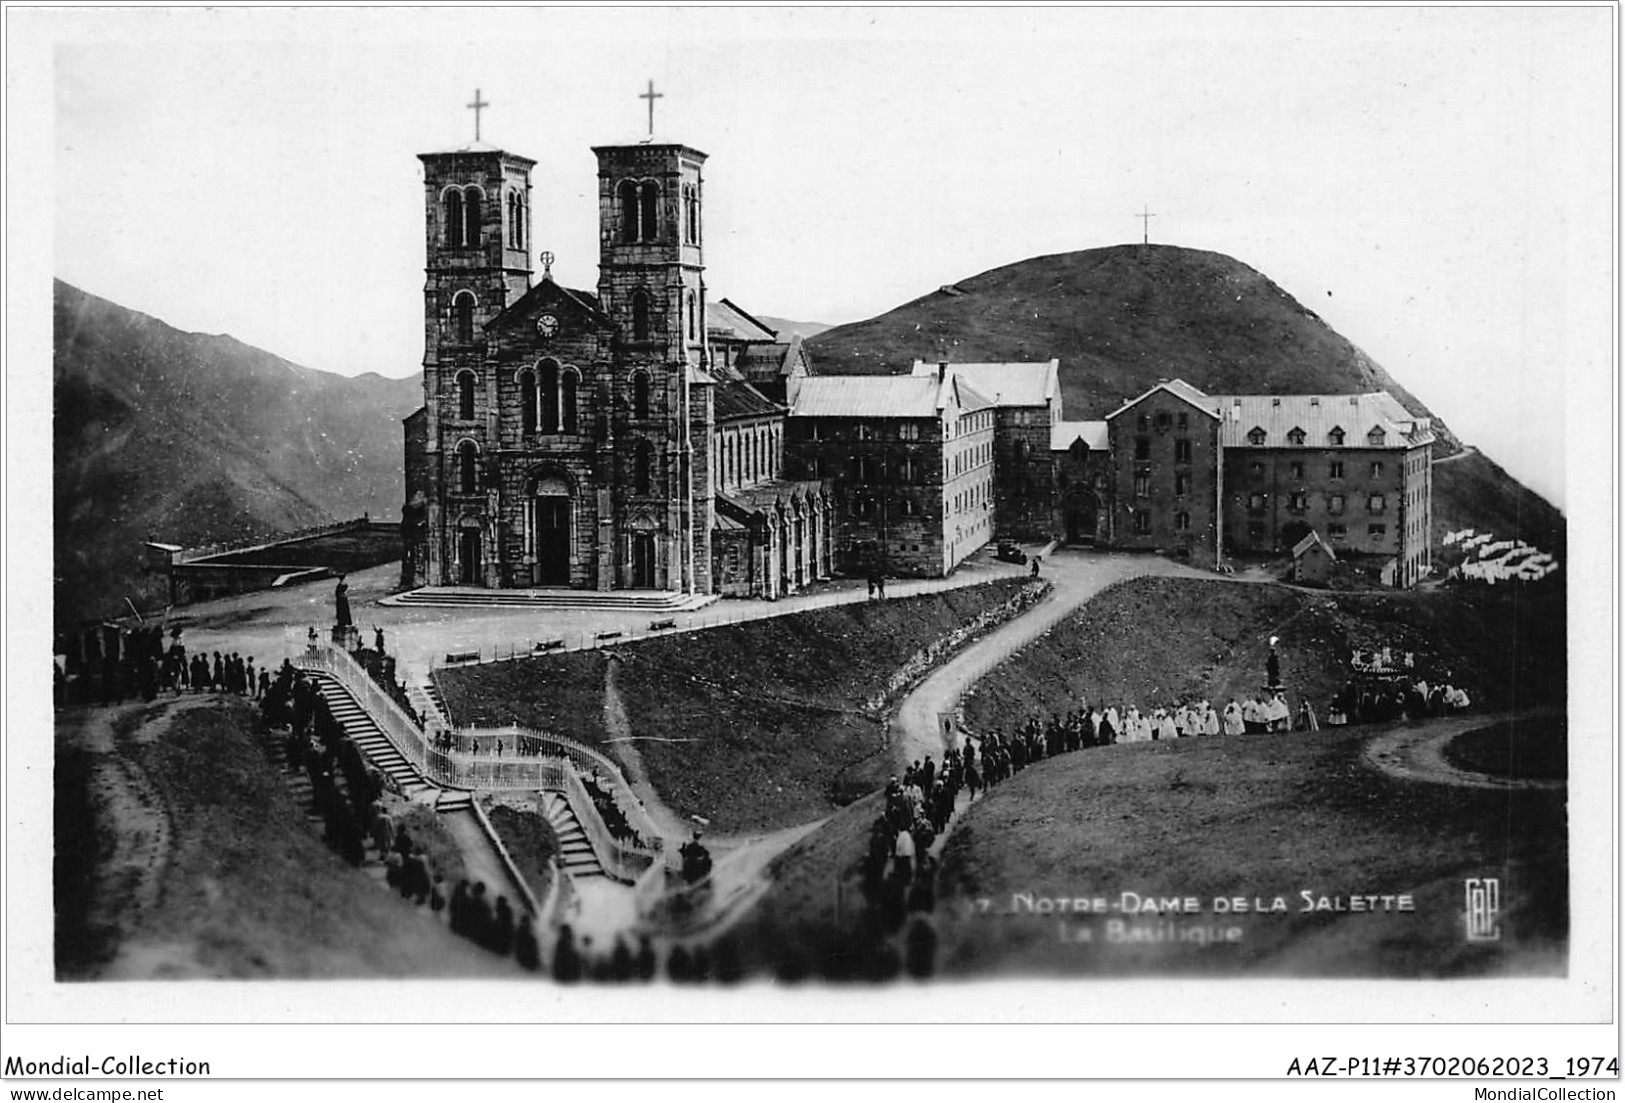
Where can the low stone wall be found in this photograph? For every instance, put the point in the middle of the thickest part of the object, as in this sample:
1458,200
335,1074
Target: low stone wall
923,661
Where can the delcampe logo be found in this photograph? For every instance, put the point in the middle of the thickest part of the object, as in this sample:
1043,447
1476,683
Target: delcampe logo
1483,909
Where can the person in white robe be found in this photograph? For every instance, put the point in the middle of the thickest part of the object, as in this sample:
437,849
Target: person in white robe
1234,719
1210,719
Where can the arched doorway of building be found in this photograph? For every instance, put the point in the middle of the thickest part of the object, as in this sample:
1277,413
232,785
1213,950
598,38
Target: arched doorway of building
551,513
468,557
1082,515
643,560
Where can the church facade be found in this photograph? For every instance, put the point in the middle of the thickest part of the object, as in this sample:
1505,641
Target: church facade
590,440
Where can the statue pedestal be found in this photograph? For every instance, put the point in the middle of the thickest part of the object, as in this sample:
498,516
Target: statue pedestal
347,637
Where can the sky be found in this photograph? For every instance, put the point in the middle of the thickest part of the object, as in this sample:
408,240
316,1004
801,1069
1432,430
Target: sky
1434,182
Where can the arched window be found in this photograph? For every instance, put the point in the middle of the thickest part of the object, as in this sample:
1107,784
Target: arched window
462,312
549,387
468,468
527,401
640,395
471,219
692,315
649,212
454,219
643,463
567,400
640,316
629,211
465,395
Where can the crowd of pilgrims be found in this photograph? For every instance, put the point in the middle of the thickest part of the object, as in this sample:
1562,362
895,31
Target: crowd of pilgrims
348,794
115,665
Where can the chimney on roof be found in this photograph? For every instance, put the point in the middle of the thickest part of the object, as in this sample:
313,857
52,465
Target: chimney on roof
942,370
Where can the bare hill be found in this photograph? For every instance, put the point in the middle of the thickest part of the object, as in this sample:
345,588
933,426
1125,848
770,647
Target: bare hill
189,438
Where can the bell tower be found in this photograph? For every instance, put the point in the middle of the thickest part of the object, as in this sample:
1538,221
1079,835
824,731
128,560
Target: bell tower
651,284
651,261
476,203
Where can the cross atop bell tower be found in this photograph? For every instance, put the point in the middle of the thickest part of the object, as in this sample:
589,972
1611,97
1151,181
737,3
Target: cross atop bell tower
477,106
651,95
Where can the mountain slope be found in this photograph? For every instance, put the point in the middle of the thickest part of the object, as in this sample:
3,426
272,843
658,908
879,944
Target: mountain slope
189,438
1119,319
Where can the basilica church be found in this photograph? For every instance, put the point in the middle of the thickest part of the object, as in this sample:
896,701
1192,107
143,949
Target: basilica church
626,438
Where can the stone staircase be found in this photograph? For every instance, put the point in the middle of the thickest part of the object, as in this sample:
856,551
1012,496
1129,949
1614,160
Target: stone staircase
371,741
627,601
576,856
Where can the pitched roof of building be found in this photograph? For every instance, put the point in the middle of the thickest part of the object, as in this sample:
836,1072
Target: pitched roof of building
733,399
1178,388
866,396
1015,383
966,396
773,358
732,322
1310,541
1317,415
1062,434
741,503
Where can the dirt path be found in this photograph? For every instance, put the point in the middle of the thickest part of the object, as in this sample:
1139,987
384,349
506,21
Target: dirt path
128,883
1417,754
1076,577
669,823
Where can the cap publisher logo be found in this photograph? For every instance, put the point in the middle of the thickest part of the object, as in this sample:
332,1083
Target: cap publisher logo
1483,909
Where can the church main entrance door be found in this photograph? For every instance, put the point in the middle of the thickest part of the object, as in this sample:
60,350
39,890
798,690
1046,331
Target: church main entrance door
643,560
553,541
1080,522
468,557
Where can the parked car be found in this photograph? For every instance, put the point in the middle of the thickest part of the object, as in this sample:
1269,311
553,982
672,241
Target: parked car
1011,553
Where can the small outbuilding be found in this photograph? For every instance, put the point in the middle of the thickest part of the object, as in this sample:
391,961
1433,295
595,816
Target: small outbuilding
1312,560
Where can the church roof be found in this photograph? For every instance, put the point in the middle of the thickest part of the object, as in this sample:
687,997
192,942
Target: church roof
1357,415
866,396
733,399
1062,434
478,147
774,358
1013,383
733,323
543,290
769,493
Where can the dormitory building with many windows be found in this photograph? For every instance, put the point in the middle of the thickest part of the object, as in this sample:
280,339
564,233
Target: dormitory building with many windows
640,436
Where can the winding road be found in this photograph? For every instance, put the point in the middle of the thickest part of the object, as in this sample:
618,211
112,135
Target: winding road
1075,577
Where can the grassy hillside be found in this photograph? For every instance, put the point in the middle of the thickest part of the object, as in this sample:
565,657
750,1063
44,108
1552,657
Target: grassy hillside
754,726
189,438
1151,641
1256,817
236,882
